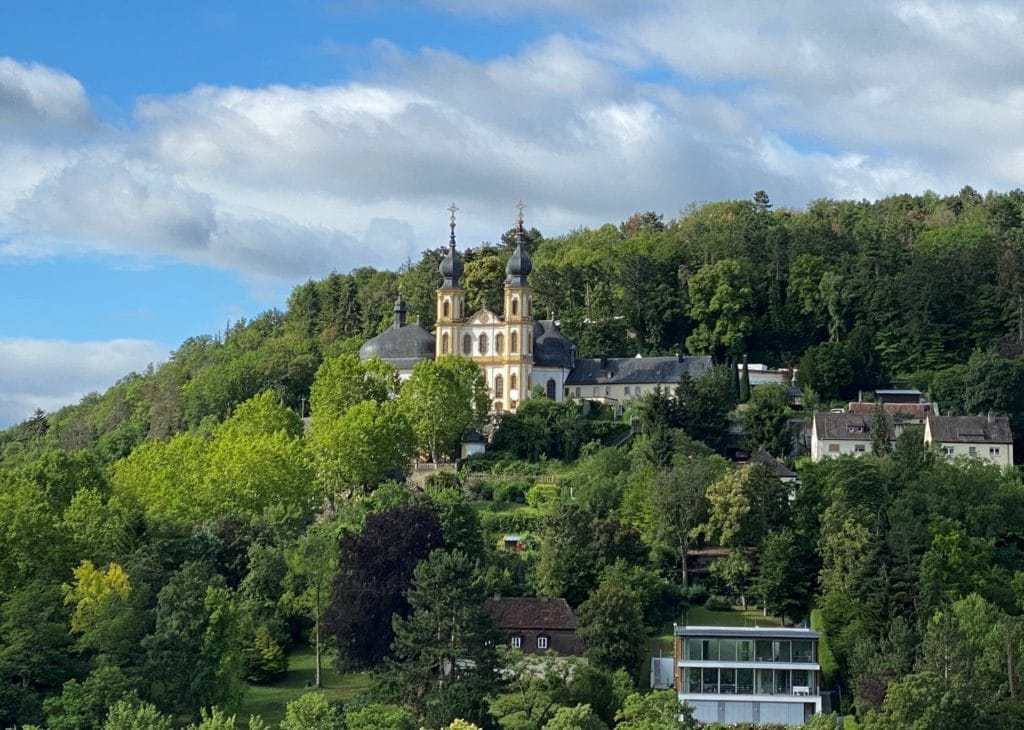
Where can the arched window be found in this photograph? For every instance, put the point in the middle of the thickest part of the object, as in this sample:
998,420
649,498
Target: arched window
529,306
551,388
512,382
515,306
444,344
514,343
467,344
461,313
446,307
482,343
499,344
499,387
529,343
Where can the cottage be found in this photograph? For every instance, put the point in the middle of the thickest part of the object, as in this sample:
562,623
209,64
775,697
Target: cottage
536,625
835,434
751,675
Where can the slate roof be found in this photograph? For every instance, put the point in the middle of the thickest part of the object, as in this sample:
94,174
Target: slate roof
970,429
629,370
847,426
549,614
776,467
401,347
550,347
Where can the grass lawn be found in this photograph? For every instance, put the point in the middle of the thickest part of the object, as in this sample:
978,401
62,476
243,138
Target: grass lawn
700,616
269,700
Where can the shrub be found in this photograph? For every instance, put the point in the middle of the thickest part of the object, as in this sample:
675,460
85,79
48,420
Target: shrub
717,603
542,494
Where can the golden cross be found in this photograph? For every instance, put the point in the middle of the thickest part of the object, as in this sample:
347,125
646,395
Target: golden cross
451,221
520,205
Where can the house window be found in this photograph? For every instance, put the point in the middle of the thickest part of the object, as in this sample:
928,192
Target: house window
499,343
859,448
542,642
577,391
446,308
482,344
512,382
834,448
595,390
947,450
972,451
993,451
515,306
444,344
499,387
638,390
551,389
607,390
517,642
467,344
514,342
626,390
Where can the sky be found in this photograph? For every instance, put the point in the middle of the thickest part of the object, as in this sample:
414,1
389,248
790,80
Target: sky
167,168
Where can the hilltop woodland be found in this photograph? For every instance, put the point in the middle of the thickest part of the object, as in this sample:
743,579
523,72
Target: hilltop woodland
168,543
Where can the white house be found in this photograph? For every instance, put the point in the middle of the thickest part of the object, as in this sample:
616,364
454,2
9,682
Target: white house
984,437
836,434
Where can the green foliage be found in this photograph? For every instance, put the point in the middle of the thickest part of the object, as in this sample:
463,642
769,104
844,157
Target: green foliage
766,420
376,716
721,301
658,710
311,711
580,717
344,381
611,624
265,660
443,399
132,714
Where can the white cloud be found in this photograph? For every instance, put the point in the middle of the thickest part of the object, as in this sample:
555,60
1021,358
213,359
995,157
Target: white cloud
803,99
48,374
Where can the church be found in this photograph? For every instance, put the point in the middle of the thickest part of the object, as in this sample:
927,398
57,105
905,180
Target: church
515,351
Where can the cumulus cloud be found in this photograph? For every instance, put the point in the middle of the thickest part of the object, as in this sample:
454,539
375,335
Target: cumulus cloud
645,109
48,374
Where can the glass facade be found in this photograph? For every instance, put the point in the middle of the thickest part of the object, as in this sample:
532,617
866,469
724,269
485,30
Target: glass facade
749,650
729,681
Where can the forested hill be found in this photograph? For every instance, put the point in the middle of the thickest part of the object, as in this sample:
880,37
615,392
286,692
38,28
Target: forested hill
924,288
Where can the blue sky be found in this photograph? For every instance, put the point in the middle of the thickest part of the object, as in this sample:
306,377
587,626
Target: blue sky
168,167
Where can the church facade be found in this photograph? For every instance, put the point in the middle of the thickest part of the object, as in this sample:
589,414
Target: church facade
515,351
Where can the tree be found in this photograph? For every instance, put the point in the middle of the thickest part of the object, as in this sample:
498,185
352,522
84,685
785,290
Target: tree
678,505
658,710
580,717
375,569
611,625
344,381
766,420
311,711
312,564
443,399
133,714
781,582
879,431
447,640
721,300
362,447
85,704
536,688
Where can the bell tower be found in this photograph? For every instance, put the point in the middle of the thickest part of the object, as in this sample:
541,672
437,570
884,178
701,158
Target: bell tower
451,298
518,312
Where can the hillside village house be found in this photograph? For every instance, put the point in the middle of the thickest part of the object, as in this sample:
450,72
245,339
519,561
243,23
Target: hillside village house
515,351
754,675
536,625
984,437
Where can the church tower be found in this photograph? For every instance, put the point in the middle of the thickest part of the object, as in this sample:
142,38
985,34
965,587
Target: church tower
451,298
518,311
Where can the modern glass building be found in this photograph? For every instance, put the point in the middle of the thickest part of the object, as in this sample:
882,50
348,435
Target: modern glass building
760,675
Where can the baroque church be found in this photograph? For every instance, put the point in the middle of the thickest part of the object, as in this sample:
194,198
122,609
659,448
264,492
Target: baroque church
515,351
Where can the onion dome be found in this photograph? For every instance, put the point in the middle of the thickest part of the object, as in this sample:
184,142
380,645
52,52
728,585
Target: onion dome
451,264
519,265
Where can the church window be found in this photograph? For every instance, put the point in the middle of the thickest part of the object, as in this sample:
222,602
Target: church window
529,306
446,307
515,306
529,343
551,388
482,344
467,344
512,382
461,313
514,344
444,344
499,344
499,387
